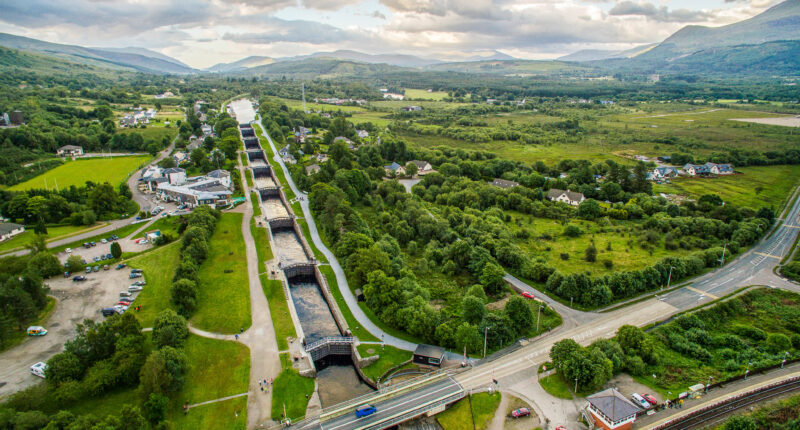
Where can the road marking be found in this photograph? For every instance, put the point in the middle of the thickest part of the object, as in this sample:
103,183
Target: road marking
768,255
791,226
703,293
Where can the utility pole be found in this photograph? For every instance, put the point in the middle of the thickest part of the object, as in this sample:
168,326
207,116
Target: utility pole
485,335
303,86
669,278
538,314
722,260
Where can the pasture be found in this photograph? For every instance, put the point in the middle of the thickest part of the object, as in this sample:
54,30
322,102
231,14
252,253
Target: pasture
412,93
98,170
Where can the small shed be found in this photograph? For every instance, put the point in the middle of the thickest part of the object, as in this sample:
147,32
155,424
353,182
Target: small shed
429,355
359,295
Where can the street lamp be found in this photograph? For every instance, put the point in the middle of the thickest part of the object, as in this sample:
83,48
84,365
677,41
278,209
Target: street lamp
786,354
538,313
746,372
576,386
669,278
485,335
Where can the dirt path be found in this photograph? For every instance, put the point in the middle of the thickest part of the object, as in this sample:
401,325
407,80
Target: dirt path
499,420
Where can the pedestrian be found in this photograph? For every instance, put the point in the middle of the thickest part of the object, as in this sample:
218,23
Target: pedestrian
681,404
236,336
262,389
241,330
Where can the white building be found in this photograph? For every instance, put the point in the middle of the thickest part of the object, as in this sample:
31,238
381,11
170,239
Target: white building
175,175
223,176
70,151
565,196
9,230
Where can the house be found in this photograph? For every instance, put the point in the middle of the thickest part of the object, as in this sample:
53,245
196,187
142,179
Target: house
196,191
423,167
565,196
719,169
393,96
174,175
164,95
4,119
343,139
663,172
412,108
429,355
223,176
504,184
180,157
9,230
321,158
314,168
70,151
394,168
362,134
206,129
610,410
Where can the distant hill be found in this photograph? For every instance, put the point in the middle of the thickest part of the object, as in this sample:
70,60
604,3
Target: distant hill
323,67
239,65
520,68
400,60
147,53
601,54
122,57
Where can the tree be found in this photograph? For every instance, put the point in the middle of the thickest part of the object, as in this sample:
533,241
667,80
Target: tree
740,422
411,169
155,408
74,263
492,278
169,329
520,314
472,309
102,198
589,209
477,291
45,264
591,254
131,418
40,228
184,295
467,336
634,340
197,156
116,250
63,367
176,364
154,377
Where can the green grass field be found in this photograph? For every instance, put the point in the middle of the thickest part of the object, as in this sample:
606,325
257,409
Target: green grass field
155,132
279,311
390,357
112,170
159,267
121,232
482,407
292,390
223,299
53,233
412,93
555,386
755,187
164,224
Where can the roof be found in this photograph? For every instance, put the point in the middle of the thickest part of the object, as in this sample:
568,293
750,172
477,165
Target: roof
69,147
173,170
8,227
665,169
555,193
420,164
218,174
502,183
613,404
394,166
429,351
338,138
312,168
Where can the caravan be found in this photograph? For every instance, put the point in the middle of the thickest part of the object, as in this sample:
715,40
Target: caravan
39,369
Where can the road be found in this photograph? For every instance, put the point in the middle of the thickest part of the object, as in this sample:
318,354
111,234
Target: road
341,280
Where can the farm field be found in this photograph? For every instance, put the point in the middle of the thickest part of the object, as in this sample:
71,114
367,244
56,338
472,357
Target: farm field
223,292
412,93
112,170
754,187
53,233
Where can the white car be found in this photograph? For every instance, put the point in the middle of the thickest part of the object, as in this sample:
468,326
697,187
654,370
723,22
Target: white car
639,400
103,241
120,309
38,369
69,250
134,288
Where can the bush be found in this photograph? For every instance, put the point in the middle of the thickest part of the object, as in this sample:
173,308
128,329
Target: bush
184,295
608,264
572,231
778,343
591,254
169,329
564,256
750,332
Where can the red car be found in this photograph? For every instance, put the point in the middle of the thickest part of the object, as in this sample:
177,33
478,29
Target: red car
650,399
123,303
527,295
521,412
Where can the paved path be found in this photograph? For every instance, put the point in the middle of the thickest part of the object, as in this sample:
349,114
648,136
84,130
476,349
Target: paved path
344,288
221,399
265,360
211,335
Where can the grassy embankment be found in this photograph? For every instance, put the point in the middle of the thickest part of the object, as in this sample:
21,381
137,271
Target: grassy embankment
478,409
290,390
158,266
223,292
389,358
555,385
53,233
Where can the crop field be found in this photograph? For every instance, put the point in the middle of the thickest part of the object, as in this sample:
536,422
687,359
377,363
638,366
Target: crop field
412,93
112,170
755,187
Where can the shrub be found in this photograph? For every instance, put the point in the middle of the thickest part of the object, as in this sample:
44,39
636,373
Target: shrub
796,341
750,332
608,264
778,343
564,256
572,231
591,254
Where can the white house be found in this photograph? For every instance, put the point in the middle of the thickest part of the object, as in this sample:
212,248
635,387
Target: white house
175,175
394,168
565,196
663,172
69,151
423,167
9,230
362,134
504,184
206,129
314,168
180,157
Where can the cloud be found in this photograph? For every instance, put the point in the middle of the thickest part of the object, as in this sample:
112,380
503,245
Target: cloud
377,14
662,14
296,31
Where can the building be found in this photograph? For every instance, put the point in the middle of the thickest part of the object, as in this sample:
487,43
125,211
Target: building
393,96
362,134
223,176
5,120
314,168
180,157
70,151
429,355
321,158
565,196
423,167
610,410
412,108
720,169
206,129
174,175
9,230
395,169
164,95
16,117
664,172
708,169
504,184
196,192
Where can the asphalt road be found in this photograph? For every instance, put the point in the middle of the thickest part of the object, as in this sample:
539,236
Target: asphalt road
390,408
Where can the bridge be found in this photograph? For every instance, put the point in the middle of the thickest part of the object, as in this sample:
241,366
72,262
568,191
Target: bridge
280,222
330,346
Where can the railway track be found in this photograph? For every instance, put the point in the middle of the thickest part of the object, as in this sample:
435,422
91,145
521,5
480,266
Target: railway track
712,413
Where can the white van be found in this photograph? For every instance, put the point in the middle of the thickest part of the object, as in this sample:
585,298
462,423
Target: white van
639,400
39,368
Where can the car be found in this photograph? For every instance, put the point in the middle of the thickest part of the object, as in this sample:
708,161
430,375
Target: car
36,330
109,257
135,288
97,268
120,308
86,245
126,299
527,295
136,270
365,410
78,278
68,250
140,283
107,312
123,303
114,236
521,412
103,240
93,243
88,269
121,266
96,259
640,401
650,399
103,257
39,369
134,275
66,274
106,267
125,294
561,428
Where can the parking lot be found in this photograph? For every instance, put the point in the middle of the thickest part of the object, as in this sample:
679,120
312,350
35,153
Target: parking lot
88,254
76,301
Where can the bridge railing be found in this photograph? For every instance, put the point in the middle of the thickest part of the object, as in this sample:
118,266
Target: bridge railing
331,339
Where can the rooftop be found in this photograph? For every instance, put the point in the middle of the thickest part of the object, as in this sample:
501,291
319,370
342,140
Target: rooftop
613,404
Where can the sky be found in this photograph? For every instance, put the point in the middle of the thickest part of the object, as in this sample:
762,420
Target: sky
205,32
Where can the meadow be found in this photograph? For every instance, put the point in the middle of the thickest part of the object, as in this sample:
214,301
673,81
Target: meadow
53,233
159,267
98,170
412,93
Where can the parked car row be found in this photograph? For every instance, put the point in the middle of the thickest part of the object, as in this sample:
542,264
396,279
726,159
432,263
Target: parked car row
126,298
645,401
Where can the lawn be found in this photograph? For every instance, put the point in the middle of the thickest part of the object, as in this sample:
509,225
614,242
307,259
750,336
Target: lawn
223,292
479,408
279,311
555,386
109,404
159,266
755,186
389,358
53,233
412,93
112,170
216,369
121,232
153,132
361,333
166,225
290,390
